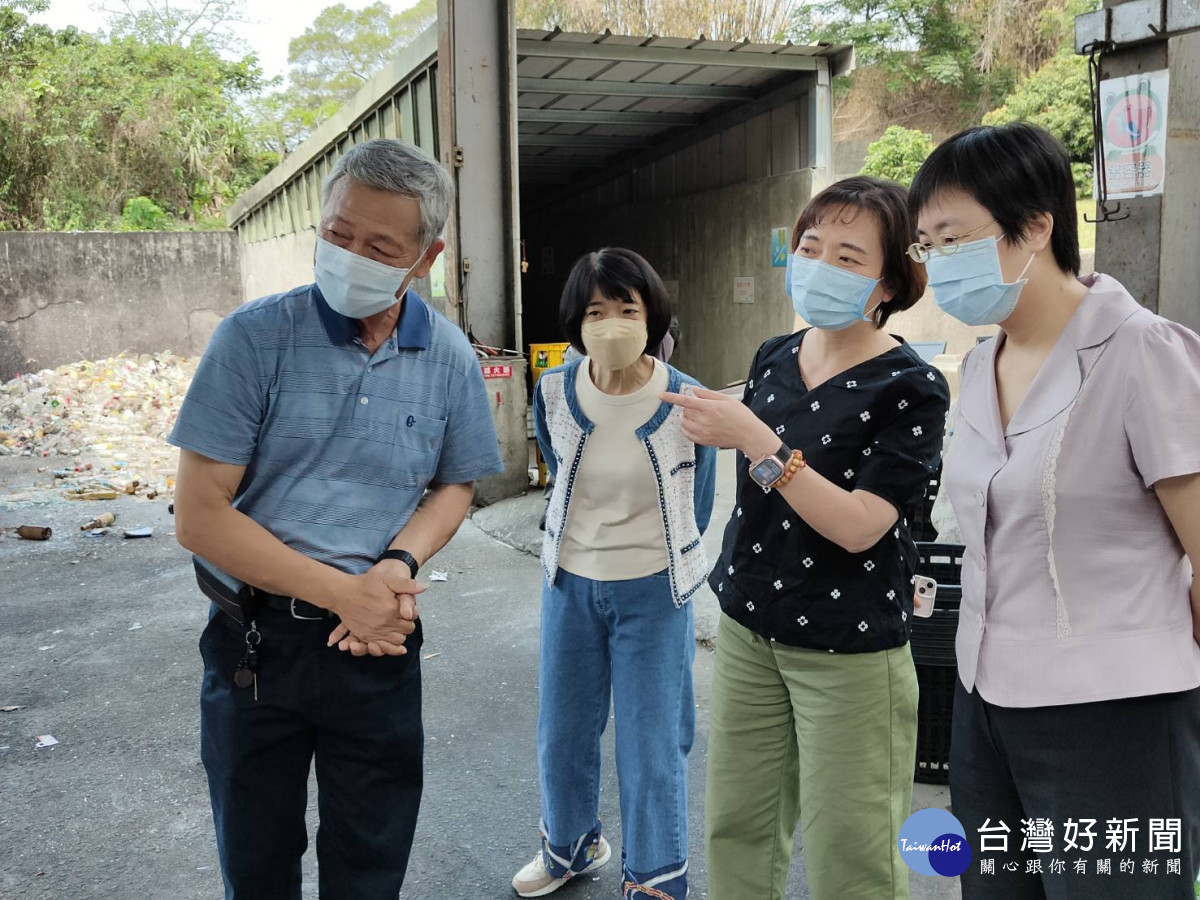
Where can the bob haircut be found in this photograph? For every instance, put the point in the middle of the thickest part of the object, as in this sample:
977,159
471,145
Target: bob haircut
887,204
616,273
1015,172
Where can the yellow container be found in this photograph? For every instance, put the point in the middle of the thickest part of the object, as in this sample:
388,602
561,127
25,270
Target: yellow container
541,358
545,356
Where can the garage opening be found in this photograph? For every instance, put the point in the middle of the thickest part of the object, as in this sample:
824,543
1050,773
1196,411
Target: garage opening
696,154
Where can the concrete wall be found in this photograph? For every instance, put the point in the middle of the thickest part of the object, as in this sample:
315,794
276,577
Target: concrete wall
65,297
849,156
277,264
727,235
699,243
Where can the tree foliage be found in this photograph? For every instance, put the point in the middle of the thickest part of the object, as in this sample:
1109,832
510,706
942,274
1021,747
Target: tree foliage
172,22
758,20
334,57
1056,98
898,154
961,57
162,119
89,121
919,43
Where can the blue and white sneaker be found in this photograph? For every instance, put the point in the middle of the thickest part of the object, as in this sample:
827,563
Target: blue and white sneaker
536,880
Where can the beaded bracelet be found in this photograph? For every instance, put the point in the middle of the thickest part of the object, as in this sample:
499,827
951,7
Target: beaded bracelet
794,465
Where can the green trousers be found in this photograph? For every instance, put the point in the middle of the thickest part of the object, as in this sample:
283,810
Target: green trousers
826,739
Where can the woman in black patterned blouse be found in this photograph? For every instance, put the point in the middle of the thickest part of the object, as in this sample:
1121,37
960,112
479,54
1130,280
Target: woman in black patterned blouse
814,709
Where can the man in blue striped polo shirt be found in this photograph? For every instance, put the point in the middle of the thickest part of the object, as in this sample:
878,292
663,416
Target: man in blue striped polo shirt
329,444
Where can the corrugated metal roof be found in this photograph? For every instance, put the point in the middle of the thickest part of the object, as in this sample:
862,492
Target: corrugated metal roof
585,100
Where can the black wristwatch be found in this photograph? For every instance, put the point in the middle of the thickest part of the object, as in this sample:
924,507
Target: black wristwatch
403,555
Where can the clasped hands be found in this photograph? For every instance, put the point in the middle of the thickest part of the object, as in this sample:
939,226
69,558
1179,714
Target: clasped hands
378,610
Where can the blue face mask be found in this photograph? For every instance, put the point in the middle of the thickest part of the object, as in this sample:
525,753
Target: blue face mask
970,286
353,285
826,296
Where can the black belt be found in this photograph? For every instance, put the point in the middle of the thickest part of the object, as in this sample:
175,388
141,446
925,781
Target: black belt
298,609
241,606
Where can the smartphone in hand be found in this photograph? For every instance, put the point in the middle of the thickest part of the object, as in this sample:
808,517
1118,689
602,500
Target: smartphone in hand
926,591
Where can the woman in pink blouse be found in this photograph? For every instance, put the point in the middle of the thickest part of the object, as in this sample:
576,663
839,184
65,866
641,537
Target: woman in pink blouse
1074,477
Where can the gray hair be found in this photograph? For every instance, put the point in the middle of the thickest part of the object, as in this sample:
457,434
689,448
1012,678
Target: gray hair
401,168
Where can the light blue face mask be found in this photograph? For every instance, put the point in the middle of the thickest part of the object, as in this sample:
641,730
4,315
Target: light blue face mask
353,285
826,296
970,286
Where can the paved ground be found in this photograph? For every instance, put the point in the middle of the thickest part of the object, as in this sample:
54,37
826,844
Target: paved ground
98,645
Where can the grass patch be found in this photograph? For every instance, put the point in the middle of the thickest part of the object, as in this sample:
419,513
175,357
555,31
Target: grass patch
1087,231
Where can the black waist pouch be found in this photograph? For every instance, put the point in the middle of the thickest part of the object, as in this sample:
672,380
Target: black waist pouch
232,603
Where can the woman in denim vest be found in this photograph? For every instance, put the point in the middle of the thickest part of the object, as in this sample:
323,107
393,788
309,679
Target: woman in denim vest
622,557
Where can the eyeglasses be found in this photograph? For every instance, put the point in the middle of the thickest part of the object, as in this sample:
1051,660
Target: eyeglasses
943,244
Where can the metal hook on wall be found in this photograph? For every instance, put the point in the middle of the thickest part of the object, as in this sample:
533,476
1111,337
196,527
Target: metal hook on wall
1095,52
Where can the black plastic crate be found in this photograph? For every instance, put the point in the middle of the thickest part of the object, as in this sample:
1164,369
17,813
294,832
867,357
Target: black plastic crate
921,525
941,562
936,650
933,637
934,716
937,665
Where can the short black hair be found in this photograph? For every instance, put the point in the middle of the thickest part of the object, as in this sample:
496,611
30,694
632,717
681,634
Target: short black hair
616,273
887,203
1015,171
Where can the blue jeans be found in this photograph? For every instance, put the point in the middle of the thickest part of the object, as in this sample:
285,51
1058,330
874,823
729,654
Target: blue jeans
627,639
360,718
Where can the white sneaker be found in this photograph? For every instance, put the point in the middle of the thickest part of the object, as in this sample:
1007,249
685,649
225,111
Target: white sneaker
535,881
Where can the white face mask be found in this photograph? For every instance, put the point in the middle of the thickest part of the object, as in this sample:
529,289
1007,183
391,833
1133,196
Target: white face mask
615,343
353,285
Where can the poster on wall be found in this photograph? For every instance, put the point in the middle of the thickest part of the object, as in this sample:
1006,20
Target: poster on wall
1134,113
779,247
743,289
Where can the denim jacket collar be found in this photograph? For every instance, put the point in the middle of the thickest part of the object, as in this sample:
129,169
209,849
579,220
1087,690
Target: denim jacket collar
571,372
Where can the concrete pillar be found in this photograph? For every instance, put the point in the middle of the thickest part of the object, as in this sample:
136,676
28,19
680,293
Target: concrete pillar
1153,251
477,113
1179,261
820,128
477,125
1129,248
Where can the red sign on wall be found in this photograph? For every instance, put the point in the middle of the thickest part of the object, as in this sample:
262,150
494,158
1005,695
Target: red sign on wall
497,371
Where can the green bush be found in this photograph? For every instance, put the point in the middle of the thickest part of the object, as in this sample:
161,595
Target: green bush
1056,98
1083,173
89,120
898,154
143,214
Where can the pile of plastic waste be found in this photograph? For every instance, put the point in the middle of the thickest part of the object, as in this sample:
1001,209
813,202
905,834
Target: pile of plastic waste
100,425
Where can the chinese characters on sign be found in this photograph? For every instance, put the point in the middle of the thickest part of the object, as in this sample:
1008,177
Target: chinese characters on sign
743,289
1122,838
1134,110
